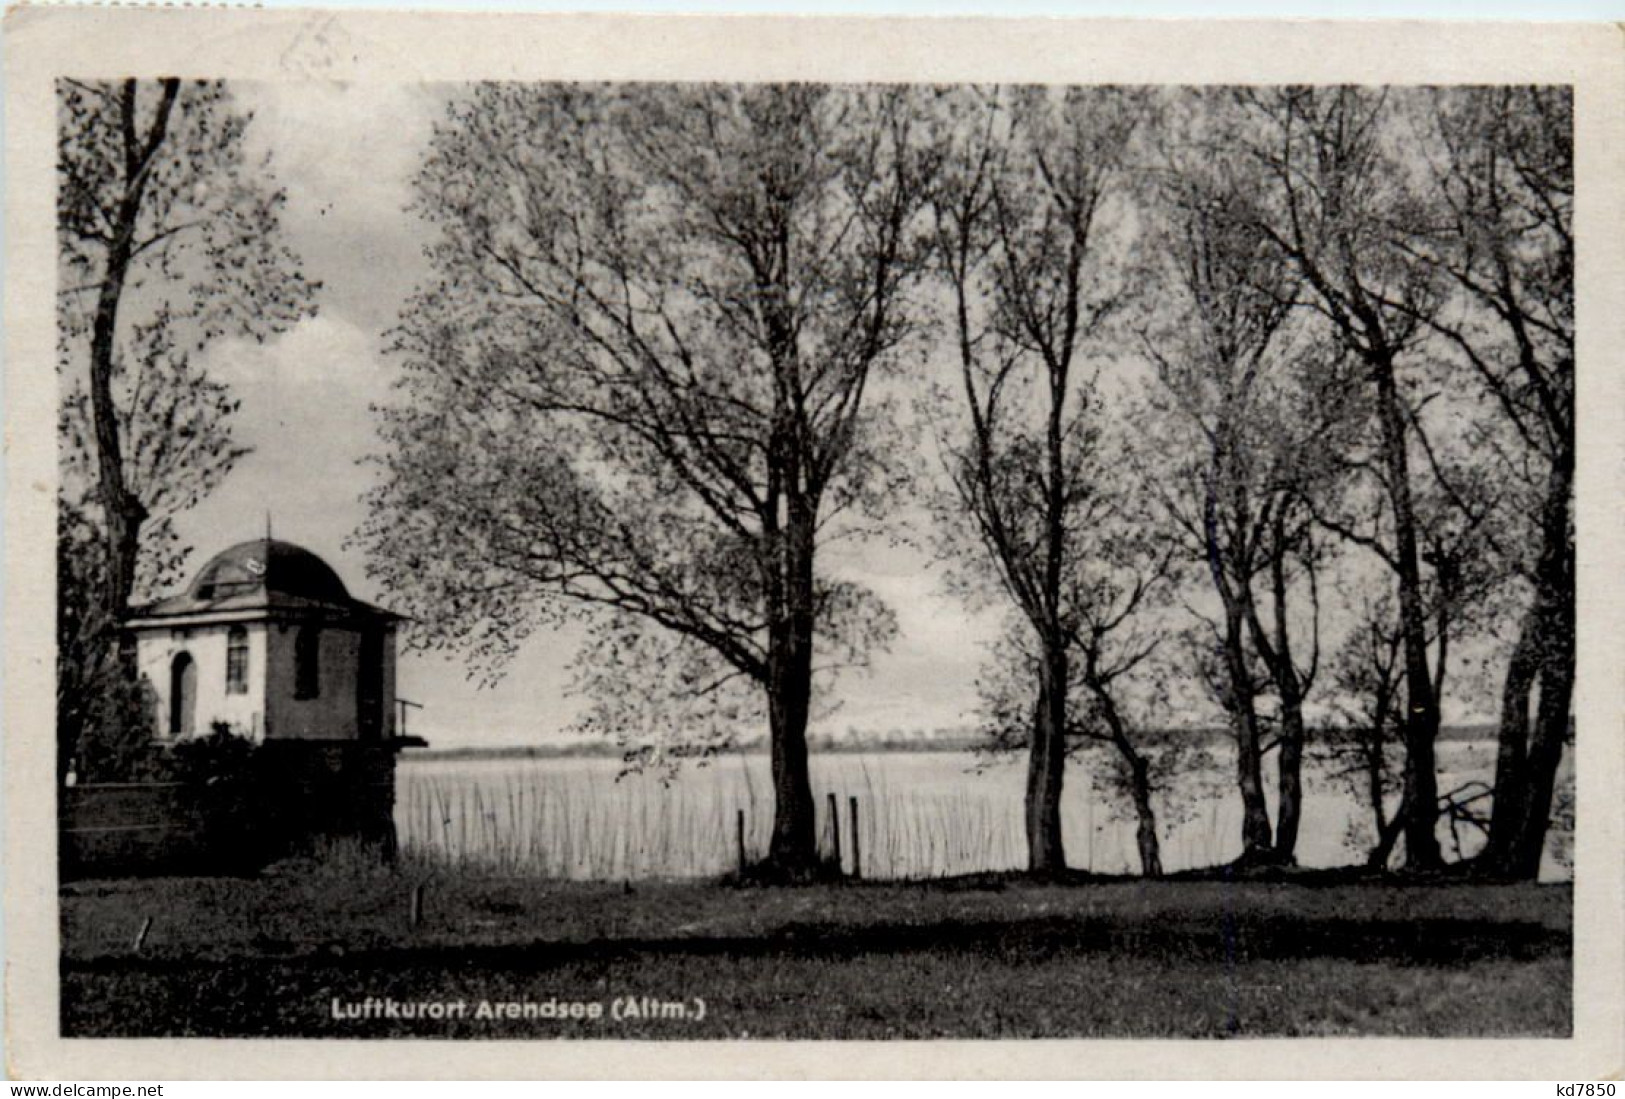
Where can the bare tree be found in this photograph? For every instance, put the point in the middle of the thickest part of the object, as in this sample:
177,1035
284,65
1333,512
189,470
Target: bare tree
1030,247
1366,678
1327,191
1115,691
169,241
1118,592
1501,190
647,366
1253,413
1462,526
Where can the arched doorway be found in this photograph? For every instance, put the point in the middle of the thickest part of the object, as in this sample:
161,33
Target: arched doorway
182,694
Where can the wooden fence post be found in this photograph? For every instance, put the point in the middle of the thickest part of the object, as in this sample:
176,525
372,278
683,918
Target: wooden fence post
835,829
739,832
417,904
141,936
857,849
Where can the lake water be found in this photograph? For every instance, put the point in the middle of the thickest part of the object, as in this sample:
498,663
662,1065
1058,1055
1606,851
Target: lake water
920,814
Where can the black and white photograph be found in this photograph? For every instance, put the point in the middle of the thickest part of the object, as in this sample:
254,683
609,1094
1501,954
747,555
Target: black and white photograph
718,560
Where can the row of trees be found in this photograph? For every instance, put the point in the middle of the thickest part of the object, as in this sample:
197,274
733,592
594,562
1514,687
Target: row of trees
1207,382
1200,374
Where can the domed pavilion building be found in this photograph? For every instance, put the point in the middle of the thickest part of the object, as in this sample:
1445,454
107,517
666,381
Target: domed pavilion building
268,645
268,642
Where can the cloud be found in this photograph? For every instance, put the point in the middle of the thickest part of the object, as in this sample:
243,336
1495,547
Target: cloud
927,679
304,411
346,155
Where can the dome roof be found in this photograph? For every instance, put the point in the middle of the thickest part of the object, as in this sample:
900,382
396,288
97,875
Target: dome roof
272,566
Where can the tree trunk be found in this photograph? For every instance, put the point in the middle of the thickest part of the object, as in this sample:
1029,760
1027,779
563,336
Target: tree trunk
1512,743
123,512
1139,774
1387,837
793,849
1277,655
1289,780
1375,765
1545,756
1046,768
1255,818
1238,677
1376,762
100,718
1545,654
1146,834
1421,720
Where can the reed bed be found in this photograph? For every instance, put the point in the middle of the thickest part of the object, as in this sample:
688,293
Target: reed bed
580,821
535,824
920,815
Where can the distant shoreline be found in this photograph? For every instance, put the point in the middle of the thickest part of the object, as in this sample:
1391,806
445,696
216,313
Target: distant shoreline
590,750
946,743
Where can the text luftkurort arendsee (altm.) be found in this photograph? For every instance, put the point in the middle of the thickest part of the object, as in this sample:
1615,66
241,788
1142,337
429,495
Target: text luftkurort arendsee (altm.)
617,1009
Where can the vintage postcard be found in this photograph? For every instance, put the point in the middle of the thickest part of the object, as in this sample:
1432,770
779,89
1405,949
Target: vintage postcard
670,547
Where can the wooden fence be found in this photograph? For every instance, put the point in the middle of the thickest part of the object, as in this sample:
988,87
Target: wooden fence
301,792
126,827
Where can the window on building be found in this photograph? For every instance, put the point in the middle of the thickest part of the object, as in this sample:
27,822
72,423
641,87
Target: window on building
307,669
237,661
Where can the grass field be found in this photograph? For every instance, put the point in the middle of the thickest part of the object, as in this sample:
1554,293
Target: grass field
996,957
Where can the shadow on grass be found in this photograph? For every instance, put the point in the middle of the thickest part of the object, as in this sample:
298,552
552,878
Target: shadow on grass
1427,942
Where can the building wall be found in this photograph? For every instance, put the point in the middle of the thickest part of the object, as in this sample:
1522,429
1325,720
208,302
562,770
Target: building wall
156,650
269,708
390,709
331,715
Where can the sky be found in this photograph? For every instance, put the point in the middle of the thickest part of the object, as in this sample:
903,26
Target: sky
346,154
